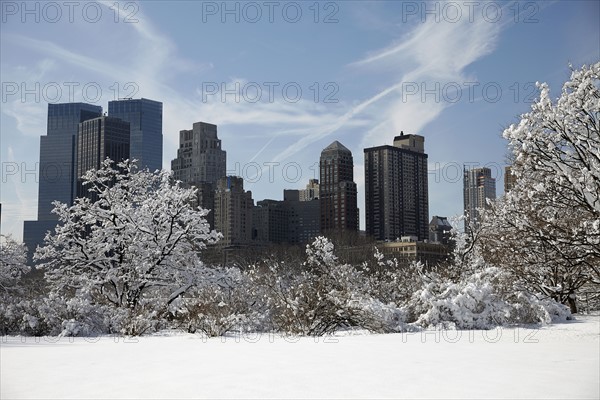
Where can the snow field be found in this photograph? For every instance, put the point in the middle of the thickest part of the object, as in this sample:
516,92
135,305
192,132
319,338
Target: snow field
554,361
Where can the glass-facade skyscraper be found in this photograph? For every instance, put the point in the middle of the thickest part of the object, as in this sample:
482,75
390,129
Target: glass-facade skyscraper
57,155
145,118
98,139
57,180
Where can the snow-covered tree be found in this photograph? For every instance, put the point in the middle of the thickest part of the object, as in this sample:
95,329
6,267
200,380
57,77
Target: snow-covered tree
13,258
547,228
138,243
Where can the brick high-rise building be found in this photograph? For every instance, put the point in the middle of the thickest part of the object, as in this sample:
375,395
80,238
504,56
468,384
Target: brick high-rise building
337,190
396,189
199,157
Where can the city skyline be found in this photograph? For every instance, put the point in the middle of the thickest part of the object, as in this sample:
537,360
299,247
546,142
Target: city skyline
369,79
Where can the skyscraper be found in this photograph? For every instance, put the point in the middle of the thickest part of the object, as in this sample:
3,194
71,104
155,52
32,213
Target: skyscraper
200,163
233,212
478,186
199,157
145,118
98,139
57,176
337,190
396,189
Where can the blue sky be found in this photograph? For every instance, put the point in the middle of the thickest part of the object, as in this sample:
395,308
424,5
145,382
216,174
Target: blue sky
454,72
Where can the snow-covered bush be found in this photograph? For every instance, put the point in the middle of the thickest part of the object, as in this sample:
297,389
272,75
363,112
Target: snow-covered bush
469,293
388,281
147,318
472,303
478,302
321,296
528,309
222,303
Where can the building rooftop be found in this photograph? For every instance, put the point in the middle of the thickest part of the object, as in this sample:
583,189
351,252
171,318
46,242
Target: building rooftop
336,146
440,221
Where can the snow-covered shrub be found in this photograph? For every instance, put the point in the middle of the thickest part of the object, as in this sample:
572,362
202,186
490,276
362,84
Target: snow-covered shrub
133,322
528,309
11,315
471,293
375,316
51,314
35,318
321,296
294,299
388,282
479,301
218,305
472,303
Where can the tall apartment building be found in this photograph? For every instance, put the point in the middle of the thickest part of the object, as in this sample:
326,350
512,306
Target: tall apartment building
98,139
396,189
200,163
57,176
233,212
145,119
337,190
478,186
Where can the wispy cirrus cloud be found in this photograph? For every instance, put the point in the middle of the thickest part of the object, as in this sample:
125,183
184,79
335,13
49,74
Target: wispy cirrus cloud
438,53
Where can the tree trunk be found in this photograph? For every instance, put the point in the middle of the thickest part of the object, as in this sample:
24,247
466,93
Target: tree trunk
572,302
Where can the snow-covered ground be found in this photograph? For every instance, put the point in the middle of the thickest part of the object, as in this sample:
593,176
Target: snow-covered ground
556,361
